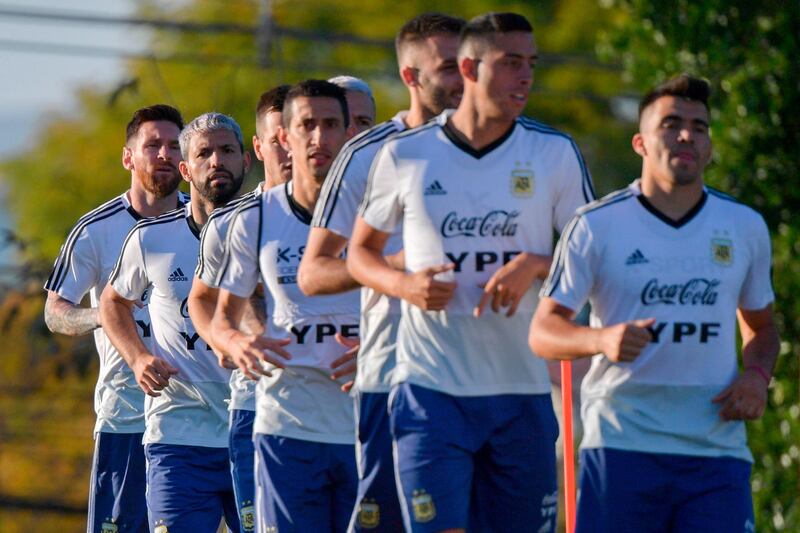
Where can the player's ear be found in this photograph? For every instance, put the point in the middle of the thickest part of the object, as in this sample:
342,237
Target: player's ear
410,76
185,172
468,66
637,142
257,147
283,138
247,161
127,158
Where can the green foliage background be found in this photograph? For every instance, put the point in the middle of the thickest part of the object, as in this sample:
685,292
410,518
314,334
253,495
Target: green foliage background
593,55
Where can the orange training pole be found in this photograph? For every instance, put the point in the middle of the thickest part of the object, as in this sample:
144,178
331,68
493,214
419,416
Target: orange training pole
569,464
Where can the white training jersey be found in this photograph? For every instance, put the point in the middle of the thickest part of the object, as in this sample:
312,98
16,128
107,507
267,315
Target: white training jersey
83,265
209,265
631,262
336,210
161,254
477,209
265,243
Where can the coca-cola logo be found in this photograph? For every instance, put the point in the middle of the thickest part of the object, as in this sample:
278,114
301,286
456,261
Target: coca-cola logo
696,291
497,223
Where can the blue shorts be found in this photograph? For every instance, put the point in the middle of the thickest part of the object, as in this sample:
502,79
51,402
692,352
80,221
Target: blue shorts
189,489
625,491
242,454
117,492
304,486
486,463
377,506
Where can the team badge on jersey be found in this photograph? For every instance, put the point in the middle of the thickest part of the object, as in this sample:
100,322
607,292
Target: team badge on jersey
722,251
161,529
424,509
369,514
108,526
522,183
248,516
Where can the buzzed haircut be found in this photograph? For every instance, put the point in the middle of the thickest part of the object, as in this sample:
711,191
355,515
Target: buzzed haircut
424,26
268,102
151,114
479,32
682,86
206,123
314,89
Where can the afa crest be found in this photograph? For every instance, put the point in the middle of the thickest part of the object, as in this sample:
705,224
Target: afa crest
522,184
108,526
161,529
248,517
369,514
424,509
722,251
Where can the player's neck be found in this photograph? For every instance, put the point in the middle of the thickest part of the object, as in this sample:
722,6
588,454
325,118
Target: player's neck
417,114
305,191
477,128
149,205
672,199
201,208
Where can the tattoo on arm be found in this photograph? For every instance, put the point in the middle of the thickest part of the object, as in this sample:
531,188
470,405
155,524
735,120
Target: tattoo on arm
64,317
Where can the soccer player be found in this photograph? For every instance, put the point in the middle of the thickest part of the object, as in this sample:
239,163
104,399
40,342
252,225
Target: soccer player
189,484
266,145
203,299
426,52
360,103
668,265
151,154
479,192
304,429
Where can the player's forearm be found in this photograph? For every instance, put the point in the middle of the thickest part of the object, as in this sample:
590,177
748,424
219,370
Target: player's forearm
66,318
254,318
118,324
202,303
324,275
227,316
761,350
371,269
554,336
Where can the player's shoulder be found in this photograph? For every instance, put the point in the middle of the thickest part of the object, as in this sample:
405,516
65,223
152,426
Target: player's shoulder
374,135
607,206
103,213
419,135
147,225
542,132
221,214
736,210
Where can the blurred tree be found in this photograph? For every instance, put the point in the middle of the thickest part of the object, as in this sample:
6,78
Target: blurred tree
748,51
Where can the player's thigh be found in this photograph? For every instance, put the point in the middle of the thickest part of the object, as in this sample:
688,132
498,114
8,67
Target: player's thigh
240,446
186,487
717,497
343,475
622,491
433,459
292,485
516,487
378,507
118,481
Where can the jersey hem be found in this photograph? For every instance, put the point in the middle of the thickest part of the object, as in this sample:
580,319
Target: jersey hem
744,455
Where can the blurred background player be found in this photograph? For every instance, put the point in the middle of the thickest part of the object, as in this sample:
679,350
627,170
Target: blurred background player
304,430
426,47
266,145
479,192
151,154
205,290
360,103
189,487
668,265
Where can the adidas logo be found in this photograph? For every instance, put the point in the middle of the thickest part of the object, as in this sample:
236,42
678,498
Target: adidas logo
177,275
636,258
435,188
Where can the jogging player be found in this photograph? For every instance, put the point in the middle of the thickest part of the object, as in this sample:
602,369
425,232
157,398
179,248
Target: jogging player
203,299
668,265
304,429
151,154
426,53
479,192
189,486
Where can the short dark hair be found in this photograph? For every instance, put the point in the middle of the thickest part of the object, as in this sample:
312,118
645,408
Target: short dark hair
151,114
427,25
683,86
270,101
313,89
480,31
